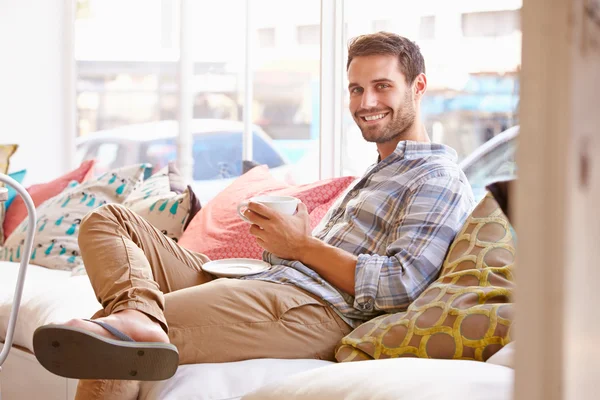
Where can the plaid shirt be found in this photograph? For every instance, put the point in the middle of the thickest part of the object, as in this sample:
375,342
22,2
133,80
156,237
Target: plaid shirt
399,219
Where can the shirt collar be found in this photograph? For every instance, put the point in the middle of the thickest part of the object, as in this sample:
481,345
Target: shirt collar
409,149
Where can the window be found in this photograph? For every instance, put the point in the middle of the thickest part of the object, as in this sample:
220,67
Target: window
266,37
124,75
382,25
158,153
217,155
127,77
108,156
265,153
286,88
309,35
427,27
491,23
494,164
469,99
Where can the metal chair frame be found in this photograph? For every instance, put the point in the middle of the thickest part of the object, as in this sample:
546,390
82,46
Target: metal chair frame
12,322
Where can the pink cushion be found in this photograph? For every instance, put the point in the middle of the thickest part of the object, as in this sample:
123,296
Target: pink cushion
219,232
39,193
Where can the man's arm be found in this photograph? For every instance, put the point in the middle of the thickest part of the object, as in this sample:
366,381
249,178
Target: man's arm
289,237
434,212
335,265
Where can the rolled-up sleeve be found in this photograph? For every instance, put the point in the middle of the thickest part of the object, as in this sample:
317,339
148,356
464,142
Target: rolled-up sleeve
431,215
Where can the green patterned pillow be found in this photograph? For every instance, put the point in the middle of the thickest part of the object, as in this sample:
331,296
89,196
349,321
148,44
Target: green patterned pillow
58,219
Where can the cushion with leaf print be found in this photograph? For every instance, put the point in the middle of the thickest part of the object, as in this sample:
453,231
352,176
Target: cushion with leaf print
55,242
159,200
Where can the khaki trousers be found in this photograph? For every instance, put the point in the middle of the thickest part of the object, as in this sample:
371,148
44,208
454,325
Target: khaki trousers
132,265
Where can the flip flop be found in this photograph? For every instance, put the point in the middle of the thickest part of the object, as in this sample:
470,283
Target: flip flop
80,354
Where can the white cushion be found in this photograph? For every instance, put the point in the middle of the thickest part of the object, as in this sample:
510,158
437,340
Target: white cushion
397,379
224,381
48,296
505,357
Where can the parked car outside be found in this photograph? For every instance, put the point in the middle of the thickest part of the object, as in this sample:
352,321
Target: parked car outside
217,151
493,161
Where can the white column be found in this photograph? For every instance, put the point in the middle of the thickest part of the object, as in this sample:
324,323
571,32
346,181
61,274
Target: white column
332,70
557,217
70,85
185,153
248,86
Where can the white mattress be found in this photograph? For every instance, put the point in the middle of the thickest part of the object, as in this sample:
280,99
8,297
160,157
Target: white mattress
55,296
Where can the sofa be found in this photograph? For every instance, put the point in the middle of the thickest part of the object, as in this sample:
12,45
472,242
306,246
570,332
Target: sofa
408,371
52,295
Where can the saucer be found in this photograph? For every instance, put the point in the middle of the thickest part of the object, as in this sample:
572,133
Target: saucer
235,267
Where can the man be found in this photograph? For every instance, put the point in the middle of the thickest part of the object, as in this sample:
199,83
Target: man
375,251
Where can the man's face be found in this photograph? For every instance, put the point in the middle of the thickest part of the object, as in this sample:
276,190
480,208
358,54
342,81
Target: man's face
381,102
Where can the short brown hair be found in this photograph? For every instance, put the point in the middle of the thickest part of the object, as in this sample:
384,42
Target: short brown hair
409,55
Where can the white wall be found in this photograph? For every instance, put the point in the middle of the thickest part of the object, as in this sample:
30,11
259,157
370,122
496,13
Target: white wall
33,88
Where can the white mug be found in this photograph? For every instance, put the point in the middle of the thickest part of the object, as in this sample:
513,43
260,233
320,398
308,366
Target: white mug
284,204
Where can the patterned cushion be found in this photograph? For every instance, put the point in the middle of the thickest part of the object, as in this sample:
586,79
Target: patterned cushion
6,151
219,232
465,314
55,242
160,201
41,192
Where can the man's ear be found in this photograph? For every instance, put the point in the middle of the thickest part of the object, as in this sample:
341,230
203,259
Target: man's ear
420,85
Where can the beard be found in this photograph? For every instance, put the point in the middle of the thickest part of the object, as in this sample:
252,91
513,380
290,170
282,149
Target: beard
401,119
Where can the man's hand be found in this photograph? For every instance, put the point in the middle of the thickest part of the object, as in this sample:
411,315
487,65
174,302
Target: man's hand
283,235
289,237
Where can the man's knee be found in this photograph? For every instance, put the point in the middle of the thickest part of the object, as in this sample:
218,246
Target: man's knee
100,216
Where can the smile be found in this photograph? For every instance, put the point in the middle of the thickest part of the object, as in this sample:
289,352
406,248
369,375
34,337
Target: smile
374,117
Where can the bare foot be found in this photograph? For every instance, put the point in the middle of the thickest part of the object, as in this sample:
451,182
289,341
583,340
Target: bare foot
134,324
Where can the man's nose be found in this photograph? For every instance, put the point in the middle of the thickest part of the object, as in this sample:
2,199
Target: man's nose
368,100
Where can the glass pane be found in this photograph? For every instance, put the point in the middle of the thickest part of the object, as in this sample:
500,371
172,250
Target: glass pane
127,80
218,51
107,155
472,53
125,75
286,87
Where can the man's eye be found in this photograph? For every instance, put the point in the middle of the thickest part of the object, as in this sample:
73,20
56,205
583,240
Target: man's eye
383,86
356,90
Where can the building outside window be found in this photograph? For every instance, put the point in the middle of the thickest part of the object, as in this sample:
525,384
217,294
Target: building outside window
491,23
427,27
266,37
309,35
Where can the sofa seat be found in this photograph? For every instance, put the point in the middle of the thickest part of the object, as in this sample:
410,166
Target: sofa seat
48,296
395,379
54,296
